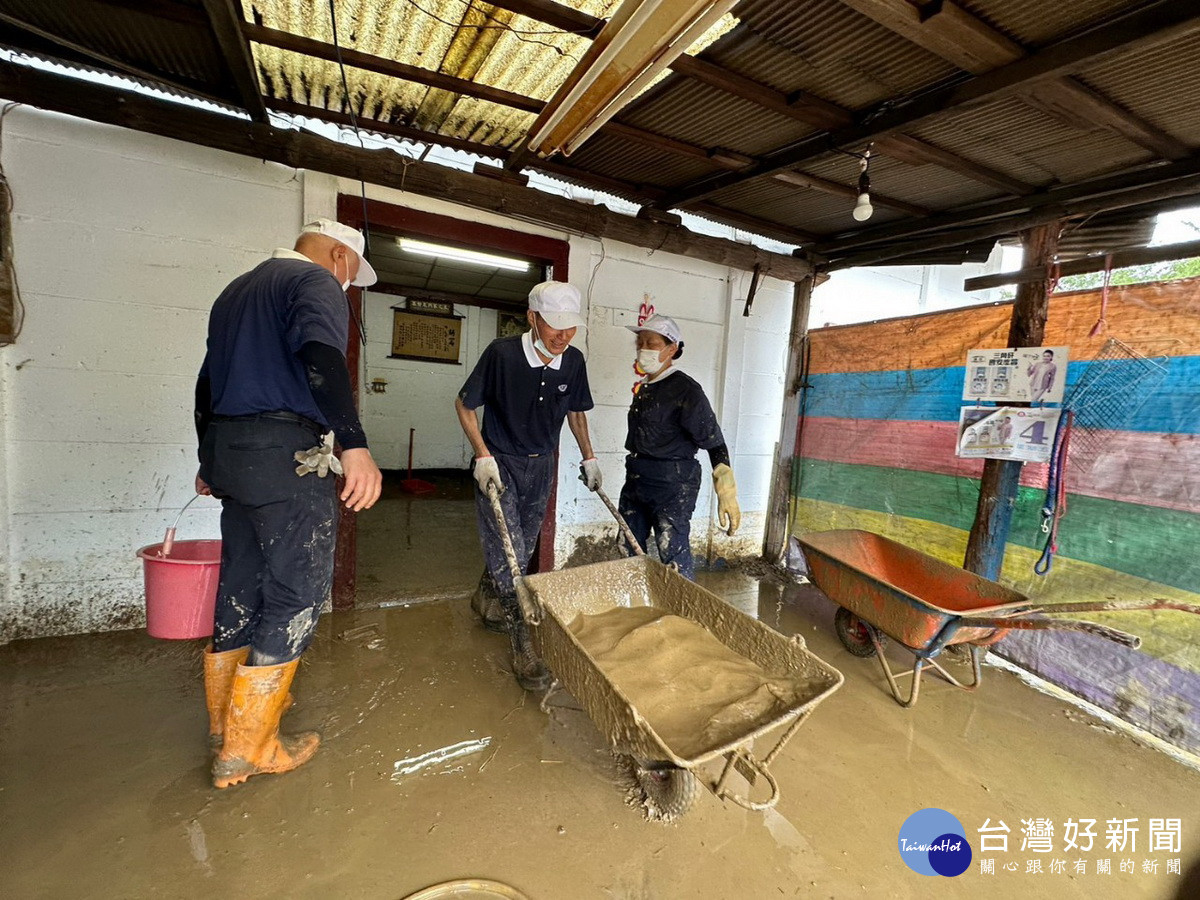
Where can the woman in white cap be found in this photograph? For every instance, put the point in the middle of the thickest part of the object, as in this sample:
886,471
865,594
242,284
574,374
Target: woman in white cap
670,419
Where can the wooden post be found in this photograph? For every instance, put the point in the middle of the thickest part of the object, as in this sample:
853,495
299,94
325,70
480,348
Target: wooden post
1001,477
775,536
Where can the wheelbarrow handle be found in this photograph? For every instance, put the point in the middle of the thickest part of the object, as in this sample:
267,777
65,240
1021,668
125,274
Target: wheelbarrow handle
625,529
1121,606
1111,634
529,607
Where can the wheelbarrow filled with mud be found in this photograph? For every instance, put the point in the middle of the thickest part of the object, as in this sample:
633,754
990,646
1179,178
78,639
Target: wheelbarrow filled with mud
884,589
674,677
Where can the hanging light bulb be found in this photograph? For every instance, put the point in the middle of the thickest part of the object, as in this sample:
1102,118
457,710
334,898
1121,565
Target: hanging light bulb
863,208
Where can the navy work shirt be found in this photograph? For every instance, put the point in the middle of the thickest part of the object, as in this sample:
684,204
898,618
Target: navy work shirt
671,419
257,326
525,399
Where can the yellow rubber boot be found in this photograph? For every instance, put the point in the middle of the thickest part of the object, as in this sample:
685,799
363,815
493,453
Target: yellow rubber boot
219,669
253,745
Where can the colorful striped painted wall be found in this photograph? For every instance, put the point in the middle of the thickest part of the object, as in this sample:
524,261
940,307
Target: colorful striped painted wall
877,446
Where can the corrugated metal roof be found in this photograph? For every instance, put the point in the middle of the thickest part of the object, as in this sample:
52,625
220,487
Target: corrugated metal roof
793,207
633,162
1035,23
847,59
182,48
1028,144
1162,84
694,112
929,186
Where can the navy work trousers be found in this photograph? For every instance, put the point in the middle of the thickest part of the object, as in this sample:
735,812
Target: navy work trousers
660,496
527,482
278,532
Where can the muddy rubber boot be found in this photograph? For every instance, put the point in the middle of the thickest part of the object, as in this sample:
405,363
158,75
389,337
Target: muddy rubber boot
486,604
527,666
253,745
219,669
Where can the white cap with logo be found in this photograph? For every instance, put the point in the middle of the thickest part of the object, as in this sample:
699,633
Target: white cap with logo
350,237
558,303
664,325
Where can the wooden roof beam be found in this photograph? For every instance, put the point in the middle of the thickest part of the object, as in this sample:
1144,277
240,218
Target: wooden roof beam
234,48
801,106
974,46
804,180
1128,32
285,40
1106,186
299,149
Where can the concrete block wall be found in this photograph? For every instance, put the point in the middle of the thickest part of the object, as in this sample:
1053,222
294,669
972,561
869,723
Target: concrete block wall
122,241
419,394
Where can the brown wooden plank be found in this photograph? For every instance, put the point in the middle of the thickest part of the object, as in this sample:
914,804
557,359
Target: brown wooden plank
1069,98
284,40
1137,30
804,180
224,19
915,151
1122,258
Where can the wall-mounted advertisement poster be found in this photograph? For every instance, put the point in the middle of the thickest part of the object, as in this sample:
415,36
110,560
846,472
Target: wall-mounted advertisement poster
1016,375
1005,432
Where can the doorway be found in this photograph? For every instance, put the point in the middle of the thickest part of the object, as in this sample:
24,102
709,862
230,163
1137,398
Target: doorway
447,288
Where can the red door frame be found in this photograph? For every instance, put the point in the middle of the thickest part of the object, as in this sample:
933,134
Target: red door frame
401,220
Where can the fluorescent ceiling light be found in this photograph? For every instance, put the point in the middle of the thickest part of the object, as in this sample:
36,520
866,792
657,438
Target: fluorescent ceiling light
474,257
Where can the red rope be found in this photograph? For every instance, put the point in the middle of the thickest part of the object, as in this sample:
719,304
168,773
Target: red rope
1102,323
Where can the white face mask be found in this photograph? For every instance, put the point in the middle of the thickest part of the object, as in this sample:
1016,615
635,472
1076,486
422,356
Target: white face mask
540,346
346,283
649,362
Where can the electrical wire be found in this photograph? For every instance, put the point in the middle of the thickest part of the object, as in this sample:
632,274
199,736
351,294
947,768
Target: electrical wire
519,33
7,264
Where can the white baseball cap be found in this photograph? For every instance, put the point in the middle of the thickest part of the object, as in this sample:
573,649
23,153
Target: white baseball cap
558,303
664,325
350,237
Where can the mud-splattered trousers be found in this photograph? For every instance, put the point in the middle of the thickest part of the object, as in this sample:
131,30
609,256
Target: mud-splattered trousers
278,532
527,482
660,495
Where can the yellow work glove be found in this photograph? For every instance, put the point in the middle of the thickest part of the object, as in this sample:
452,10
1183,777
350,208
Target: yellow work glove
729,514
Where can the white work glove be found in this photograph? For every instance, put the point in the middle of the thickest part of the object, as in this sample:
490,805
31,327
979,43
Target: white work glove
590,474
319,459
729,514
487,471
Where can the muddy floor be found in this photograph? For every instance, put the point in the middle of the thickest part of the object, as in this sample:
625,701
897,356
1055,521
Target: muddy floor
435,765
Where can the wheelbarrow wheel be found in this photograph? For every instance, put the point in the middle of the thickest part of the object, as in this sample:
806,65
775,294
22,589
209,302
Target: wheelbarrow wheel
665,792
855,634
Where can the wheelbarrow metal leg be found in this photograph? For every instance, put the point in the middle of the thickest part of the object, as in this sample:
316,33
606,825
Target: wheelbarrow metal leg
887,671
976,657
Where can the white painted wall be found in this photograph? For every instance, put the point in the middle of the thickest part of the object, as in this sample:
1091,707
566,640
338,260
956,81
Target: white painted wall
419,395
122,242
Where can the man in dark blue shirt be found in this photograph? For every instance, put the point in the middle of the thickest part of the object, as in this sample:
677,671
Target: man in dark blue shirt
527,385
274,391
670,419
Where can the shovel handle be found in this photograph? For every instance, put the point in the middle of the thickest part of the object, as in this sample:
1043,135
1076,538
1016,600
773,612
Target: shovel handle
1110,634
528,607
625,529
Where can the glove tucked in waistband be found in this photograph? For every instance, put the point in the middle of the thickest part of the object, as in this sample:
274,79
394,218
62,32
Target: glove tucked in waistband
319,459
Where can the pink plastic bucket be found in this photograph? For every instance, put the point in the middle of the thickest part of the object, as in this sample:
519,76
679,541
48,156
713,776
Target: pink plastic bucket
181,589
